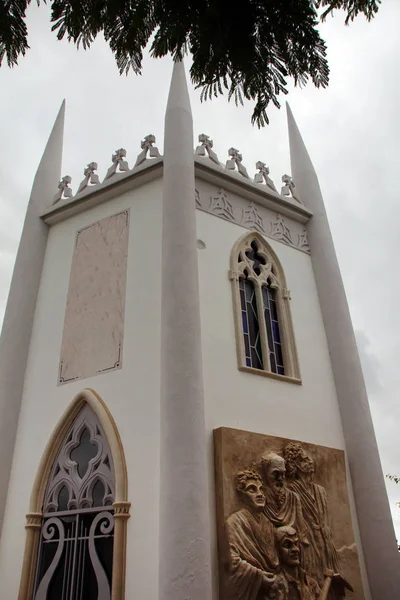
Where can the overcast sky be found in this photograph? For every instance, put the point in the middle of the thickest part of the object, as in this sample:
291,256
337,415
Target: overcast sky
352,131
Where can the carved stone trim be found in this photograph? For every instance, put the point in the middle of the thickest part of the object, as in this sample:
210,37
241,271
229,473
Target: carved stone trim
119,164
205,147
147,149
271,375
280,231
234,161
221,206
90,177
121,510
263,176
288,189
197,198
33,520
272,271
63,190
90,397
302,241
254,217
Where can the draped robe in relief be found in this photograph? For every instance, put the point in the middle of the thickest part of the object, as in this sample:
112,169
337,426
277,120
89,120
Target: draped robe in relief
303,588
252,552
287,512
322,553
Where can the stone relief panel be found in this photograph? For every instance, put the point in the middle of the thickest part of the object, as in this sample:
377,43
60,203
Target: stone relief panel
94,319
283,520
233,208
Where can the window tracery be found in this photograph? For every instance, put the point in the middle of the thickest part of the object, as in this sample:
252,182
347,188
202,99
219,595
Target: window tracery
76,545
78,510
264,331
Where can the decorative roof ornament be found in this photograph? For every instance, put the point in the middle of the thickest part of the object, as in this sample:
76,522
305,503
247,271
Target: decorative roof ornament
147,147
118,163
263,175
236,161
288,189
90,177
206,148
63,190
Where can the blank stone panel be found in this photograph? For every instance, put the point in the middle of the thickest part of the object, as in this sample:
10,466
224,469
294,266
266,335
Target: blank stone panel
94,316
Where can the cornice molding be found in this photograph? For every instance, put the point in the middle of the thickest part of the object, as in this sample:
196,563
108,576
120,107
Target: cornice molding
108,189
152,169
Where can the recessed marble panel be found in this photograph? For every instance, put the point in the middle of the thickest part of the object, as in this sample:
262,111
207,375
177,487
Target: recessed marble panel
94,318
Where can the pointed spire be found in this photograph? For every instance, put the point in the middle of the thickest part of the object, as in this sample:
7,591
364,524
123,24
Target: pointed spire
184,517
373,512
303,172
178,128
178,96
48,173
20,309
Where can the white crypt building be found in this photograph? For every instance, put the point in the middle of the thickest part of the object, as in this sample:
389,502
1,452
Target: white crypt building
183,414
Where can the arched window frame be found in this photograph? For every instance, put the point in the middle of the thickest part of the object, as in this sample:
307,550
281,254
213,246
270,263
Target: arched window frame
121,504
273,272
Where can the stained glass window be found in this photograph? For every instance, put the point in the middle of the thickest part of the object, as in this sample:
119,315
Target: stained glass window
272,326
76,546
264,330
250,323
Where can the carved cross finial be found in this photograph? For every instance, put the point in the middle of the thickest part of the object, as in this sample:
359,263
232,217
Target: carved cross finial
63,189
263,175
147,148
118,163
288,188
206,148
148,141
236,161
118,155
90,177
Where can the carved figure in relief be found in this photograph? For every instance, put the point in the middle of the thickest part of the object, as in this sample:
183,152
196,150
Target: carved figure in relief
283,506
253,558
322,557
300,586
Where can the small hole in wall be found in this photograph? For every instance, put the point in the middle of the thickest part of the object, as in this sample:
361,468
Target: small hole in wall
201,245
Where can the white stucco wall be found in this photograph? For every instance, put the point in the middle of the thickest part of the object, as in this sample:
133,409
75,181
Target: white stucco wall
132,393
232,399
246,401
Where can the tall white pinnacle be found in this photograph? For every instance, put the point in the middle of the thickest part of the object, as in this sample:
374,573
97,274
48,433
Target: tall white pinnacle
20,310
184,552
373,512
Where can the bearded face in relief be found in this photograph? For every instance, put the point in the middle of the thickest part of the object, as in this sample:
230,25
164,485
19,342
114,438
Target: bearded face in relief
274,471
299,464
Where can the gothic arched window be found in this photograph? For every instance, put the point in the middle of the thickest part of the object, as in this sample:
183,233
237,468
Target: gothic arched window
264,331
81,490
